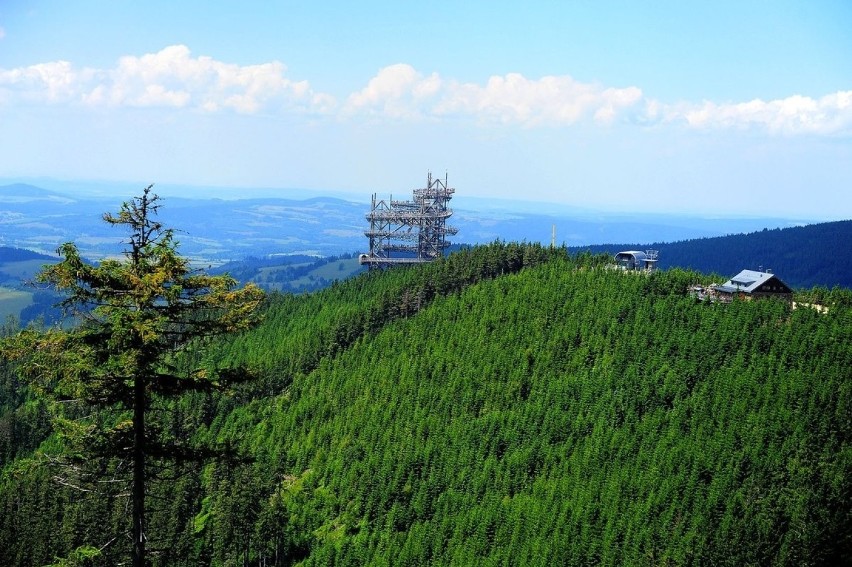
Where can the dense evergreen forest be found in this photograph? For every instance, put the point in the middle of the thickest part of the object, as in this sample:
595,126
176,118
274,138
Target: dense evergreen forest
802,256
510,404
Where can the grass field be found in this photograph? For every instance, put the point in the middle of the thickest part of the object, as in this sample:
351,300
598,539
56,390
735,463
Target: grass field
12,301
338,270
22,271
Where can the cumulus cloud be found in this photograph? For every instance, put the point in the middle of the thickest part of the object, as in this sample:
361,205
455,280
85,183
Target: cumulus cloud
830,114
171,77
51,82
174,78
552,100
400,91
396,91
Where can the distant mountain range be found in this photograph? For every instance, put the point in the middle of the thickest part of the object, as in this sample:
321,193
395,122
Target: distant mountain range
264,237
213,231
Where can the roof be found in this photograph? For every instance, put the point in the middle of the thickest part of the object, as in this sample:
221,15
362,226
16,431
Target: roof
635,253
748,281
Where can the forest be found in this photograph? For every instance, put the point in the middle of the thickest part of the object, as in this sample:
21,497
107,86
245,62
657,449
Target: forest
511,404
802,256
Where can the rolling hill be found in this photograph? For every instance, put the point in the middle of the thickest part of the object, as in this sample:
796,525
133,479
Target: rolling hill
803,256
511,404
214,230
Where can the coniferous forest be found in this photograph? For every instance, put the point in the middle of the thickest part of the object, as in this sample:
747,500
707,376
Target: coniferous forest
511,404
802,256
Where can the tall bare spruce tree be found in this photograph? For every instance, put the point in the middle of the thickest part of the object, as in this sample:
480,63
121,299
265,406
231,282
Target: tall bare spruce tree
134,316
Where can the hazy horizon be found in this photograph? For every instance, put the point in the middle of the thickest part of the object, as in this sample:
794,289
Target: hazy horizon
721,109
118,191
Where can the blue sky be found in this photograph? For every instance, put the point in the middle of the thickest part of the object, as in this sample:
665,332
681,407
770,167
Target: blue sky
711,107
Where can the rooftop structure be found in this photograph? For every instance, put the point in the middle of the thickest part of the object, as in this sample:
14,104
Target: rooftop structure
637,260
751,283
409,232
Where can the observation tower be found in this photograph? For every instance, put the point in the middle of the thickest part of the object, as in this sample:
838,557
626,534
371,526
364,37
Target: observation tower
409,232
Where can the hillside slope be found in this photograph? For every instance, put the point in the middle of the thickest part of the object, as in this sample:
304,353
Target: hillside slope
509,405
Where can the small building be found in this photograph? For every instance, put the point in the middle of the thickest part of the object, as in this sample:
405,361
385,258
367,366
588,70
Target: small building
637,260
751,283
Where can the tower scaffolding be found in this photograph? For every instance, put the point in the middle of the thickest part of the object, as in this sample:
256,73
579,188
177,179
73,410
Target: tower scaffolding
416,229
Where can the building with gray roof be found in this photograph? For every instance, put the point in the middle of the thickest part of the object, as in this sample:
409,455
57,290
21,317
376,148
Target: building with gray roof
637,260
751,283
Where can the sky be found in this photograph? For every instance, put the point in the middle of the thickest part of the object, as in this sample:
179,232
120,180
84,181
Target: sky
723,107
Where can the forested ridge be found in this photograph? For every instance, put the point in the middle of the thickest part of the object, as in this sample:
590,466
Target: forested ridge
510,404
802,256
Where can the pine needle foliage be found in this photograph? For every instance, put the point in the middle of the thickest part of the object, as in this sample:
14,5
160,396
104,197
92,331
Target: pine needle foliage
103,375
508,405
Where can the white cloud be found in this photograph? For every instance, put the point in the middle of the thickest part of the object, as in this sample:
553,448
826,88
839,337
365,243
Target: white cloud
396,91
550,100
174,78
400,91
2,32
171,77
830,114
51,82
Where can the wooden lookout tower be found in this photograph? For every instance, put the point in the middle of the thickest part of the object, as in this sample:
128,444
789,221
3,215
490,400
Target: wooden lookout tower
409,232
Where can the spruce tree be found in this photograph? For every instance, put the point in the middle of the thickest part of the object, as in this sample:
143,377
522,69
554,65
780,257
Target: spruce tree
133,318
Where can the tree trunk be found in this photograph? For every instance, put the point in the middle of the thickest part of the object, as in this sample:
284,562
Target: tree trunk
138,490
